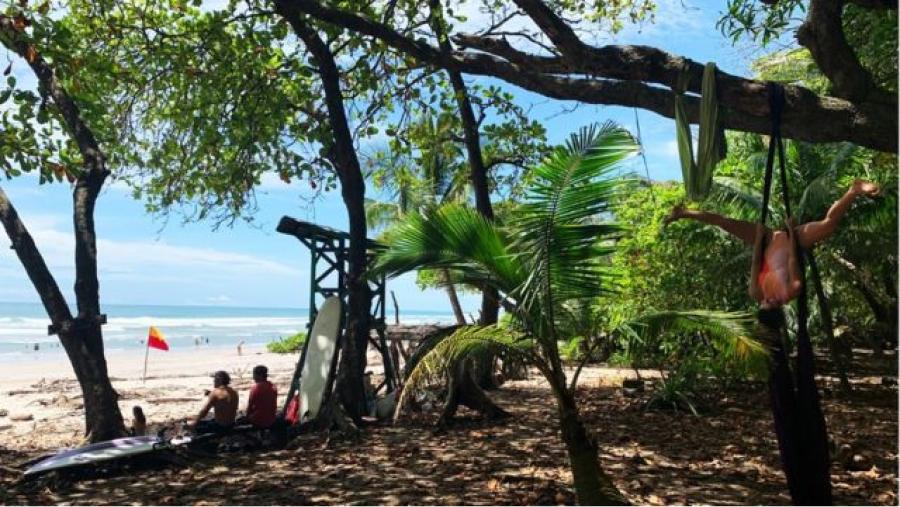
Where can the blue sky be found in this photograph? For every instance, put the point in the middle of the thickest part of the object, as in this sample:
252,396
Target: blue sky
143,260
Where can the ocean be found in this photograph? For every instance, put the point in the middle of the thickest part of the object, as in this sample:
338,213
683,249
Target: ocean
23,326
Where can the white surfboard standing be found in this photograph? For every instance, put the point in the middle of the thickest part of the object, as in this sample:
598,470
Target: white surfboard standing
315,378
321,345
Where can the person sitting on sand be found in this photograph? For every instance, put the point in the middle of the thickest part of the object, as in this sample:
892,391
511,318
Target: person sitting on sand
263,400
775,276
223,400
139,423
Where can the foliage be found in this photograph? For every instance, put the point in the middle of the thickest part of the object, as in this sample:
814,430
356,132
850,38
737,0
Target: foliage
550,255
463,344
287,344
871,33
791,66
759,20
692,350
684,266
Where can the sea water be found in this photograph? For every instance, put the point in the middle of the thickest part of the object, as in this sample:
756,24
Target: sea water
23,326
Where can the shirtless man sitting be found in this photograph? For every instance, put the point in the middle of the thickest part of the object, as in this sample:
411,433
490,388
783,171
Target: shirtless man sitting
775,276
223,400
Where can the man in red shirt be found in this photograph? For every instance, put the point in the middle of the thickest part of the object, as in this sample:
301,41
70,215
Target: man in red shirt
263,399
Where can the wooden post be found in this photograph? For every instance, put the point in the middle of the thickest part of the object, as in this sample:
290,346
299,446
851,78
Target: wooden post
146,357
396,309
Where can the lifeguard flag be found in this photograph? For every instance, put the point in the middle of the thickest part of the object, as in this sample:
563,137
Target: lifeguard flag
156,340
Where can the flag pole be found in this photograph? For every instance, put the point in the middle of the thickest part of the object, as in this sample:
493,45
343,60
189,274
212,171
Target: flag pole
146,357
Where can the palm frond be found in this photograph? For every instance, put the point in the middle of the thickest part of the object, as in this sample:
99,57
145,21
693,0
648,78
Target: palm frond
818,193
731,190
455,237
464,343
562,243
380,214
731,333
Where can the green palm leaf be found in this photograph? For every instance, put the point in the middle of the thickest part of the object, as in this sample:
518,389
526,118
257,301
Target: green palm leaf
455,237
557,234
449,350
731,333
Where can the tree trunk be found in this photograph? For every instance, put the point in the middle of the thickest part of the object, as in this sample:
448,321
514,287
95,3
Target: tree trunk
463,390
840,365
884,309
84,346
357,330
454,300
342,154
490,306
81,336
592,485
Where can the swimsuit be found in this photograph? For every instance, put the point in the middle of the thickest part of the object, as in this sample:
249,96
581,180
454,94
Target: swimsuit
763,272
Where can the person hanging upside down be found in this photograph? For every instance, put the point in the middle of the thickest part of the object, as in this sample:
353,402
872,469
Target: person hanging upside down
774,276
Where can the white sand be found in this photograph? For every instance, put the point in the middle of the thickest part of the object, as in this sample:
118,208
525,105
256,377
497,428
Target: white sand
47,390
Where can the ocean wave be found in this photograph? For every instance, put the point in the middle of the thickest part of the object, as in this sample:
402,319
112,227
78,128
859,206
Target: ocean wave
20,330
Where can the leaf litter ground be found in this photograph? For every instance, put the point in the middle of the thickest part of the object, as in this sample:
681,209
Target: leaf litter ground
727,456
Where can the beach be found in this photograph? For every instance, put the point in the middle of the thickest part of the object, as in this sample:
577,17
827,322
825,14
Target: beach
44,391
42,400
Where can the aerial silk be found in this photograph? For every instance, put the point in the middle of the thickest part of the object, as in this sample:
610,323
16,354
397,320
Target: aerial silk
698,175
796,410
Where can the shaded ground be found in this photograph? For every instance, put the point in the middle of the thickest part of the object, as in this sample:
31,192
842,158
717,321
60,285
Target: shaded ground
728,456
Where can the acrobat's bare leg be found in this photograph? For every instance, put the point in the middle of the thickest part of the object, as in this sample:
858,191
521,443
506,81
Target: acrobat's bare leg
744,231
811,233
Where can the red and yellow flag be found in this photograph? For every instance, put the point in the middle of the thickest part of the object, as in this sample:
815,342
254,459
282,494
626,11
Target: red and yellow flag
156,340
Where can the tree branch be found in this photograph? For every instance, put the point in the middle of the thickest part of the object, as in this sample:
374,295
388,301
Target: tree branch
88,183
555,28
823,34
52,298
628,70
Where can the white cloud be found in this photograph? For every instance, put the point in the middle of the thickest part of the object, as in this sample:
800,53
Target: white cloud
147,261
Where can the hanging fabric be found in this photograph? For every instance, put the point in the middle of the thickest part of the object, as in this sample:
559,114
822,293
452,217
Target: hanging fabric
711,143
796,409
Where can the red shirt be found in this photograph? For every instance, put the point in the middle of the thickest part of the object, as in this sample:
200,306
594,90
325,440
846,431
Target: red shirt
262,404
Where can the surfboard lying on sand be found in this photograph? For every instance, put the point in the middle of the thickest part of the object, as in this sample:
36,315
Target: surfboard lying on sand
320,350
99,452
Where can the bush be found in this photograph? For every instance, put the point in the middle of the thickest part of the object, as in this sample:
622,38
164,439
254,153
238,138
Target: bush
287,345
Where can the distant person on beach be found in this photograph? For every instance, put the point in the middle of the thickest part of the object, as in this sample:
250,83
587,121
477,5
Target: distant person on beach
223,401
240,348
263,402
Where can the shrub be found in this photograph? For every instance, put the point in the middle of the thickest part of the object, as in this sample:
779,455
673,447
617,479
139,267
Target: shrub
287,345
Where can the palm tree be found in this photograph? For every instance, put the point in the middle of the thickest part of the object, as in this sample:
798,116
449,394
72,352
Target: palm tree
546,263
552,253
432,177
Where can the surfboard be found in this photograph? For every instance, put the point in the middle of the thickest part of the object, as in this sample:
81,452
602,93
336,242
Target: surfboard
96,453
321,346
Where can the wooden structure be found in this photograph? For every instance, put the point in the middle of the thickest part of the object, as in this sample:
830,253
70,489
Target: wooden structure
328,274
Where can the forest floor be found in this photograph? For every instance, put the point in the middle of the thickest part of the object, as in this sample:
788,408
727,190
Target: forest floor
726,456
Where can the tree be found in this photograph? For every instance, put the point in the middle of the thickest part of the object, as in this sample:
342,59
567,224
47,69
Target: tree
553,254
430,178
862,112
84,163
211,101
